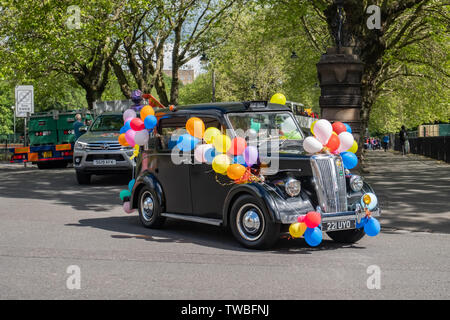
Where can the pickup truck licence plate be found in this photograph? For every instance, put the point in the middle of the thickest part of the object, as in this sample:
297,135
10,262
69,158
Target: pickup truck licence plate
338,225
104,162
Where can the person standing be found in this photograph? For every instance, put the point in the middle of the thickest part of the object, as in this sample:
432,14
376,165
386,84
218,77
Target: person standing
77,125
403,139
386,142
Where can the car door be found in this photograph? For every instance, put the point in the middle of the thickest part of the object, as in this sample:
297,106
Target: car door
174,178
208,195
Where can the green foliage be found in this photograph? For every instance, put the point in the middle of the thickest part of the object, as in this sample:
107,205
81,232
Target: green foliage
6,113
200,91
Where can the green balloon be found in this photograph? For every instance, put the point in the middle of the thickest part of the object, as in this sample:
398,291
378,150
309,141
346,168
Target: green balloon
124,194
255,125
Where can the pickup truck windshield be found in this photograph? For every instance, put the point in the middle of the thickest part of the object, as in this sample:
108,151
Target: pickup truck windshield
110,122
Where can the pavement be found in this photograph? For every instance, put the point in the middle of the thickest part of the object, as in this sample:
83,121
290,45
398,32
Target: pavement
49,223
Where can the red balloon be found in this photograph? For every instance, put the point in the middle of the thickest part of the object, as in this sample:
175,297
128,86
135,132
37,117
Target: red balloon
238,146
301,218
339,127
333,143
312,219
137,124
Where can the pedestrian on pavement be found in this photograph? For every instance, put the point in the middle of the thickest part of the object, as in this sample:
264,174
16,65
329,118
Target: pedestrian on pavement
403,139
386,142
77,125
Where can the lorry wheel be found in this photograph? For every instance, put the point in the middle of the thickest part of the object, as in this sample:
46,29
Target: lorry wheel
150,209
83,178
43,165
250,224
347,236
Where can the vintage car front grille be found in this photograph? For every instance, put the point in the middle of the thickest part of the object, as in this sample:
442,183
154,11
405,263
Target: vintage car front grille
93,146
329,178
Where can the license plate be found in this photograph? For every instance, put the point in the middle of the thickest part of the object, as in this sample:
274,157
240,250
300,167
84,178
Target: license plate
47,154
104,162
338,225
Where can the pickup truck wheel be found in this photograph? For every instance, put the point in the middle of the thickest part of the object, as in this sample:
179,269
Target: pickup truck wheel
150,209
250,224
347,236
83,178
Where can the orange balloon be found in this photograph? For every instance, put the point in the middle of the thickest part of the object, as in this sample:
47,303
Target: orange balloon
235,171
195,127
122,140
147,111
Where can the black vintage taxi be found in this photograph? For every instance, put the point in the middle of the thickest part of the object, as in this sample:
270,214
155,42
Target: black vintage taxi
259,212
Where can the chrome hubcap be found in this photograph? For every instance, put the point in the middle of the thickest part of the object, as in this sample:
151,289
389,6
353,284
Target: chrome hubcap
147,206
250,222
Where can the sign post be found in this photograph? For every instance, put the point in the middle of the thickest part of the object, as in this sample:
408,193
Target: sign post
24,106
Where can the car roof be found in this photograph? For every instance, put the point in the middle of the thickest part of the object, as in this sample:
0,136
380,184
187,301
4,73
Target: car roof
228,107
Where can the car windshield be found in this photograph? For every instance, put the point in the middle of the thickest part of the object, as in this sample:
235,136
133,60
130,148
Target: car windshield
265,126
110,122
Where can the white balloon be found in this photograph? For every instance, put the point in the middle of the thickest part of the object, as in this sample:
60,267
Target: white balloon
199,152
323,130
312,145
141,137
346,139
129,113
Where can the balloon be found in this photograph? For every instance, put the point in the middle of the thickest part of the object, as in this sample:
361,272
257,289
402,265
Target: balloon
210,133
339,127
301,218
239,160
238,146
123,140
210,154
129,136
126,207
354,147
220,163
346,139
186,142
131,184
129,113
137,124
235,171
256,126
222,143
333,142
125,127
312,145
349,159
312,126
323,130
141,137
373,201
296,230
362,223
372,227
199,152
313,237
349,129
124,194
278,98
146,111
195,127
150,122
312,219
251,133
251,155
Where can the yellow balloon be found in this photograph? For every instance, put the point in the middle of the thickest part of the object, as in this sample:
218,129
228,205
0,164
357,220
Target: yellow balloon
296,230
353,148
221,163
210,133
278,98
222,143
312,126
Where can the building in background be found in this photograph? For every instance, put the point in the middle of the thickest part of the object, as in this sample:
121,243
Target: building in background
185,75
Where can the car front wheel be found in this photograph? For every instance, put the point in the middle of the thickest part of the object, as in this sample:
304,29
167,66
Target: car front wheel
250,224
150,209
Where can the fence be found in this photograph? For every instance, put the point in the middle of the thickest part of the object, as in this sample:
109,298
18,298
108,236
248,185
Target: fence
433,147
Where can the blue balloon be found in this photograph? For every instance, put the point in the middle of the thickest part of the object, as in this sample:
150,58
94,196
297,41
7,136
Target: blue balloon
372,227
125,127
131,184
362,223
313,236
186,142
239,160
209,155
350,159
349,129
150,122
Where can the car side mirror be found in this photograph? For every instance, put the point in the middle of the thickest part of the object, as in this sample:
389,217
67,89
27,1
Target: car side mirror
83,129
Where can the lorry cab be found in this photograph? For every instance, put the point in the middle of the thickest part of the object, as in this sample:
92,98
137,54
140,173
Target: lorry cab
293,182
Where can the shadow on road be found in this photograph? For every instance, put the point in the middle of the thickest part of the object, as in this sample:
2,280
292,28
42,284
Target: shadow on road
176,231
60,187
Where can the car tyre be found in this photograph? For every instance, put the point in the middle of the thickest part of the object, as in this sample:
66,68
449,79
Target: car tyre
251,225
83,178
347,236
150,209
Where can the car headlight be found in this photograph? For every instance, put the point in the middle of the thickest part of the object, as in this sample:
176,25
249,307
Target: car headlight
80,145
356,183
292,187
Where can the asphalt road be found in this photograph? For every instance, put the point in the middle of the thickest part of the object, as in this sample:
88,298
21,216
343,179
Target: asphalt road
49,223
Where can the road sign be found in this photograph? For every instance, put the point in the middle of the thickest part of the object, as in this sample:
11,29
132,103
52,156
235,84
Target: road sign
24,101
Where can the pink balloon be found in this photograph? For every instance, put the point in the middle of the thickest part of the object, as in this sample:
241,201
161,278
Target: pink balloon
129,136
323,131
129,113
199,152
126,207
346,139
